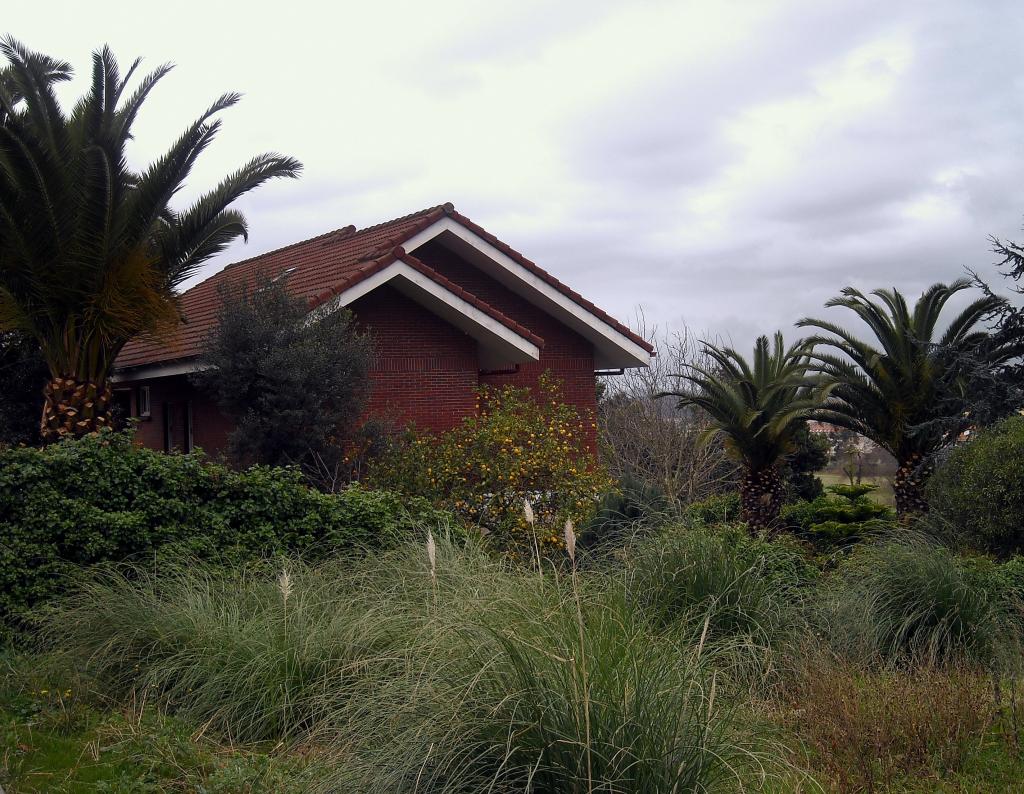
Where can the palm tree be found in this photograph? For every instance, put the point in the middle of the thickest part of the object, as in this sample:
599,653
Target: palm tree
91,251
759,408
898,394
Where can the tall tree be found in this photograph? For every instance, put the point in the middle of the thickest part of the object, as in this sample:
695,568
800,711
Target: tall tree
91,251
994,393
897,389
759,408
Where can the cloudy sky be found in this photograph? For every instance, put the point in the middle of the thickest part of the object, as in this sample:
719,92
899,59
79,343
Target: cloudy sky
729,165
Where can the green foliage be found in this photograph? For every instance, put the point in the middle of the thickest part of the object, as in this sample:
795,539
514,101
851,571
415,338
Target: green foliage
810,453
980,488
758,407
23,374
469,676
633,506
90,249
294,388
721,508
906,598
521,446
56,731
902,393
102,498
847,515
738,584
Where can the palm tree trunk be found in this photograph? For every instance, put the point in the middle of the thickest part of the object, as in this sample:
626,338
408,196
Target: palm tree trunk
761,498
72,408
908,485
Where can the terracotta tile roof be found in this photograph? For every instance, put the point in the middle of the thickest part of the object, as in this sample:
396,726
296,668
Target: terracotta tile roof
326,265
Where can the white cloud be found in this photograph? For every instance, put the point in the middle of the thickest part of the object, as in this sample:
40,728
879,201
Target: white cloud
730,163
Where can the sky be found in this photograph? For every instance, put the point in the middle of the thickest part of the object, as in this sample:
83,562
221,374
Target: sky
724,165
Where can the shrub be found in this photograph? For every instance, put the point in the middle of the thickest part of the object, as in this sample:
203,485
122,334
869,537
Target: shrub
980,488
101,498
738,584
847,515
721,508
521,446
632,507
908,599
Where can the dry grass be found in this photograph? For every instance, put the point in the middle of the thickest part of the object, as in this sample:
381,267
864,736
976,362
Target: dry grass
866,730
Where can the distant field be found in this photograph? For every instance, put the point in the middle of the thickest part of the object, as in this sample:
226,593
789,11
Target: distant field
883,495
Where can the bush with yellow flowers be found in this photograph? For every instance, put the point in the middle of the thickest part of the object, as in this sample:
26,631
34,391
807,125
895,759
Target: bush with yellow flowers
522,446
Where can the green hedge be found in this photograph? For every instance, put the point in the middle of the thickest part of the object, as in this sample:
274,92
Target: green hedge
980,488
104,499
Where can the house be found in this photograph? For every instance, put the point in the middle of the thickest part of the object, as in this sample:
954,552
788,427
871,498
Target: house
449,308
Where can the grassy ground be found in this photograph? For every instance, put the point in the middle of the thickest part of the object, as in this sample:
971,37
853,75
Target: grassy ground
883,495
703,660
52,740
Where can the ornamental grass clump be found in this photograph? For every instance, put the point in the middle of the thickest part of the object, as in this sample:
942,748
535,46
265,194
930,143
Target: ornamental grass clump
248,652
434,667
556,687
742,588
906,598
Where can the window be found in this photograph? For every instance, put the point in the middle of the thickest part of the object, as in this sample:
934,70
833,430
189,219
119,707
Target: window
142,402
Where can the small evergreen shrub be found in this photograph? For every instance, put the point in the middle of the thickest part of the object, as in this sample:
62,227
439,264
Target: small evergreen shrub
104,499
980,488
522,446
633,506
846,515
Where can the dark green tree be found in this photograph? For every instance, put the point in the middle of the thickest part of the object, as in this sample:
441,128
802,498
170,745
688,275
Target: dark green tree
897,387
294,384
995,392
810,454
759,408
91,251
22,375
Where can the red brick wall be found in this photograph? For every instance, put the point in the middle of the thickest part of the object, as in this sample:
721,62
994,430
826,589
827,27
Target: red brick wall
424,370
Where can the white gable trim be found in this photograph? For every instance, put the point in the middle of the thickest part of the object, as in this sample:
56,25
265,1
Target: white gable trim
613,349
147,371
500,345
